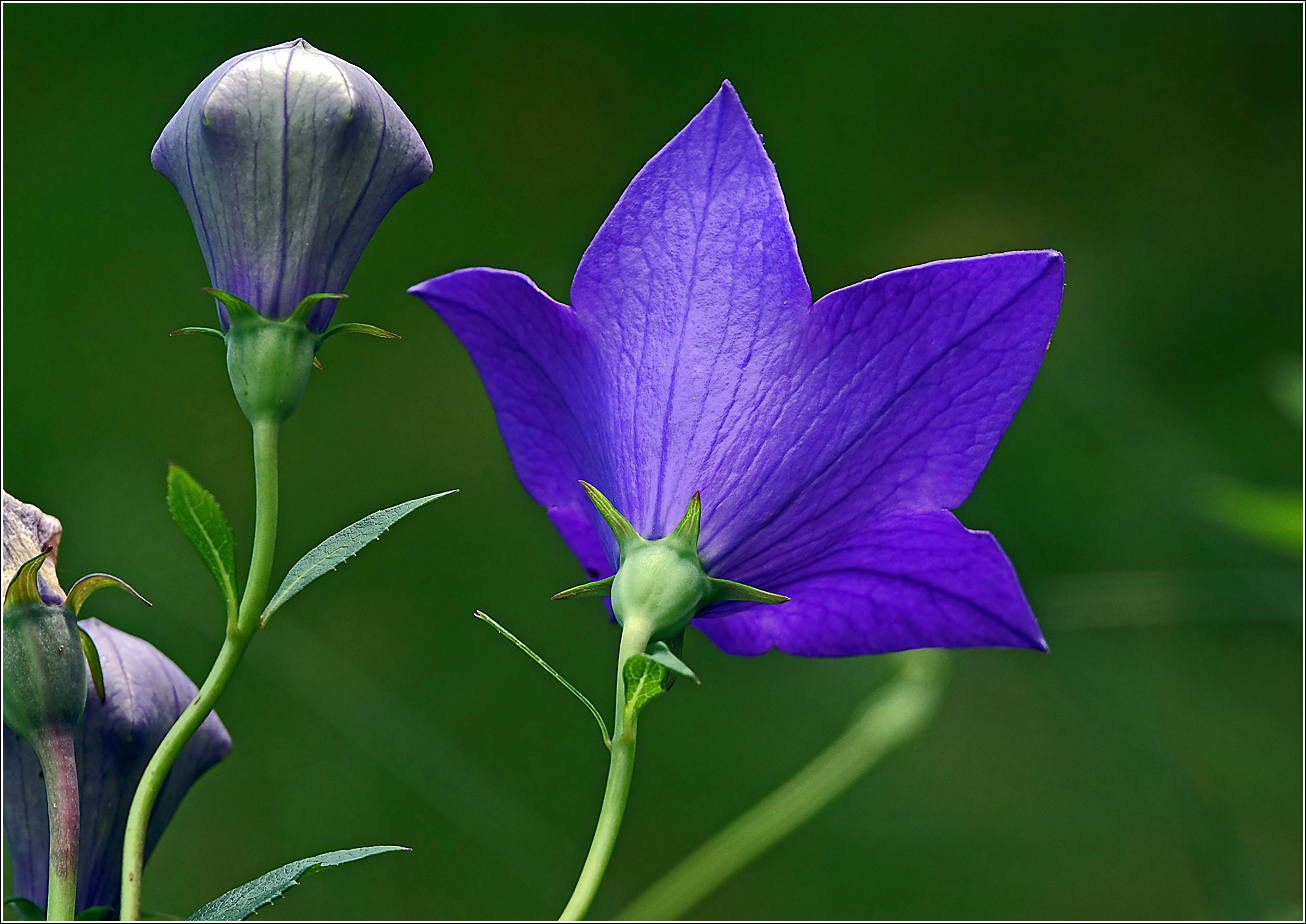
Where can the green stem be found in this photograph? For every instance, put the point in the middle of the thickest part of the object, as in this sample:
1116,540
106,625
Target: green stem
634,639
59,767
892,715
233,647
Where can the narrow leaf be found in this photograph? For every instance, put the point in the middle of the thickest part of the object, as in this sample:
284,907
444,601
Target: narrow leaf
344,544
93,662
241,902
601,588
663,655
27,909
201,519
603,726
644,678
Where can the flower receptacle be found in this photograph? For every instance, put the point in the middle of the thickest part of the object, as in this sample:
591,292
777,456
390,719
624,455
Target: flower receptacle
660,584
269,360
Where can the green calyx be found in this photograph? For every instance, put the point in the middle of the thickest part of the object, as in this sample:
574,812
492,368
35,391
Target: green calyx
661,583
46,654
270,360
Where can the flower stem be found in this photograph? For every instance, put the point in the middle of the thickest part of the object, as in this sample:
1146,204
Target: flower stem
59,767
233,647
634,639
895,712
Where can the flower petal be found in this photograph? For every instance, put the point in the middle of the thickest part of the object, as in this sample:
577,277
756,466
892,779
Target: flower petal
909,580
28,531
692,292
287,159
541,374
896,394
145,693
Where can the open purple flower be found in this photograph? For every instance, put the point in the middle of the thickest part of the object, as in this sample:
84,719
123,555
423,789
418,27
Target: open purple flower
144,694
288,158
829,441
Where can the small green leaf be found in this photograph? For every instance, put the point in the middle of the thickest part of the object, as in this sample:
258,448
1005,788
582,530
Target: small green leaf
356,328
644,678
94,913
241,902
93,662
663,655
207,331
603,726
23,587
339,547
601,588
27,910
201,519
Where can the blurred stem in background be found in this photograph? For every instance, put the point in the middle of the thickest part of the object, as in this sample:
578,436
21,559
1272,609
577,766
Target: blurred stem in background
895,713
266,431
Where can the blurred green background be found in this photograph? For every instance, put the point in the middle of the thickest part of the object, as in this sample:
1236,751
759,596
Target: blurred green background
1148,766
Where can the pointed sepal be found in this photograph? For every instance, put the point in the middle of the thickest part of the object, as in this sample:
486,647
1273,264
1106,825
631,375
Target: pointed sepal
355,328
729,590
317,363
88,585
619,525
601,588
207,331
24,588
93,662
306,304
236,306
687,530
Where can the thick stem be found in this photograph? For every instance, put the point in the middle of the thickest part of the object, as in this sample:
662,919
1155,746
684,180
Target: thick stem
634,639
892,715
59,766
238,638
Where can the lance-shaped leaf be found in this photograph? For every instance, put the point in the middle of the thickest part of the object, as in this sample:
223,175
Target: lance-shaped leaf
201,519
603,726
662,654
344,544
243,901
644,679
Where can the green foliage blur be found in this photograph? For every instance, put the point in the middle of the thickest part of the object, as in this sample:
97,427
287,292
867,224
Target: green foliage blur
1149,766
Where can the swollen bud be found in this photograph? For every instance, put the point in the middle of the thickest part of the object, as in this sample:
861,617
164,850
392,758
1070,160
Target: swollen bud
44,665
46,654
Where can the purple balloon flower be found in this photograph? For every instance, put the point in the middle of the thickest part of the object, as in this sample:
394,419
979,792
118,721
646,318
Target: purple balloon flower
288,158
829,440
144,694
